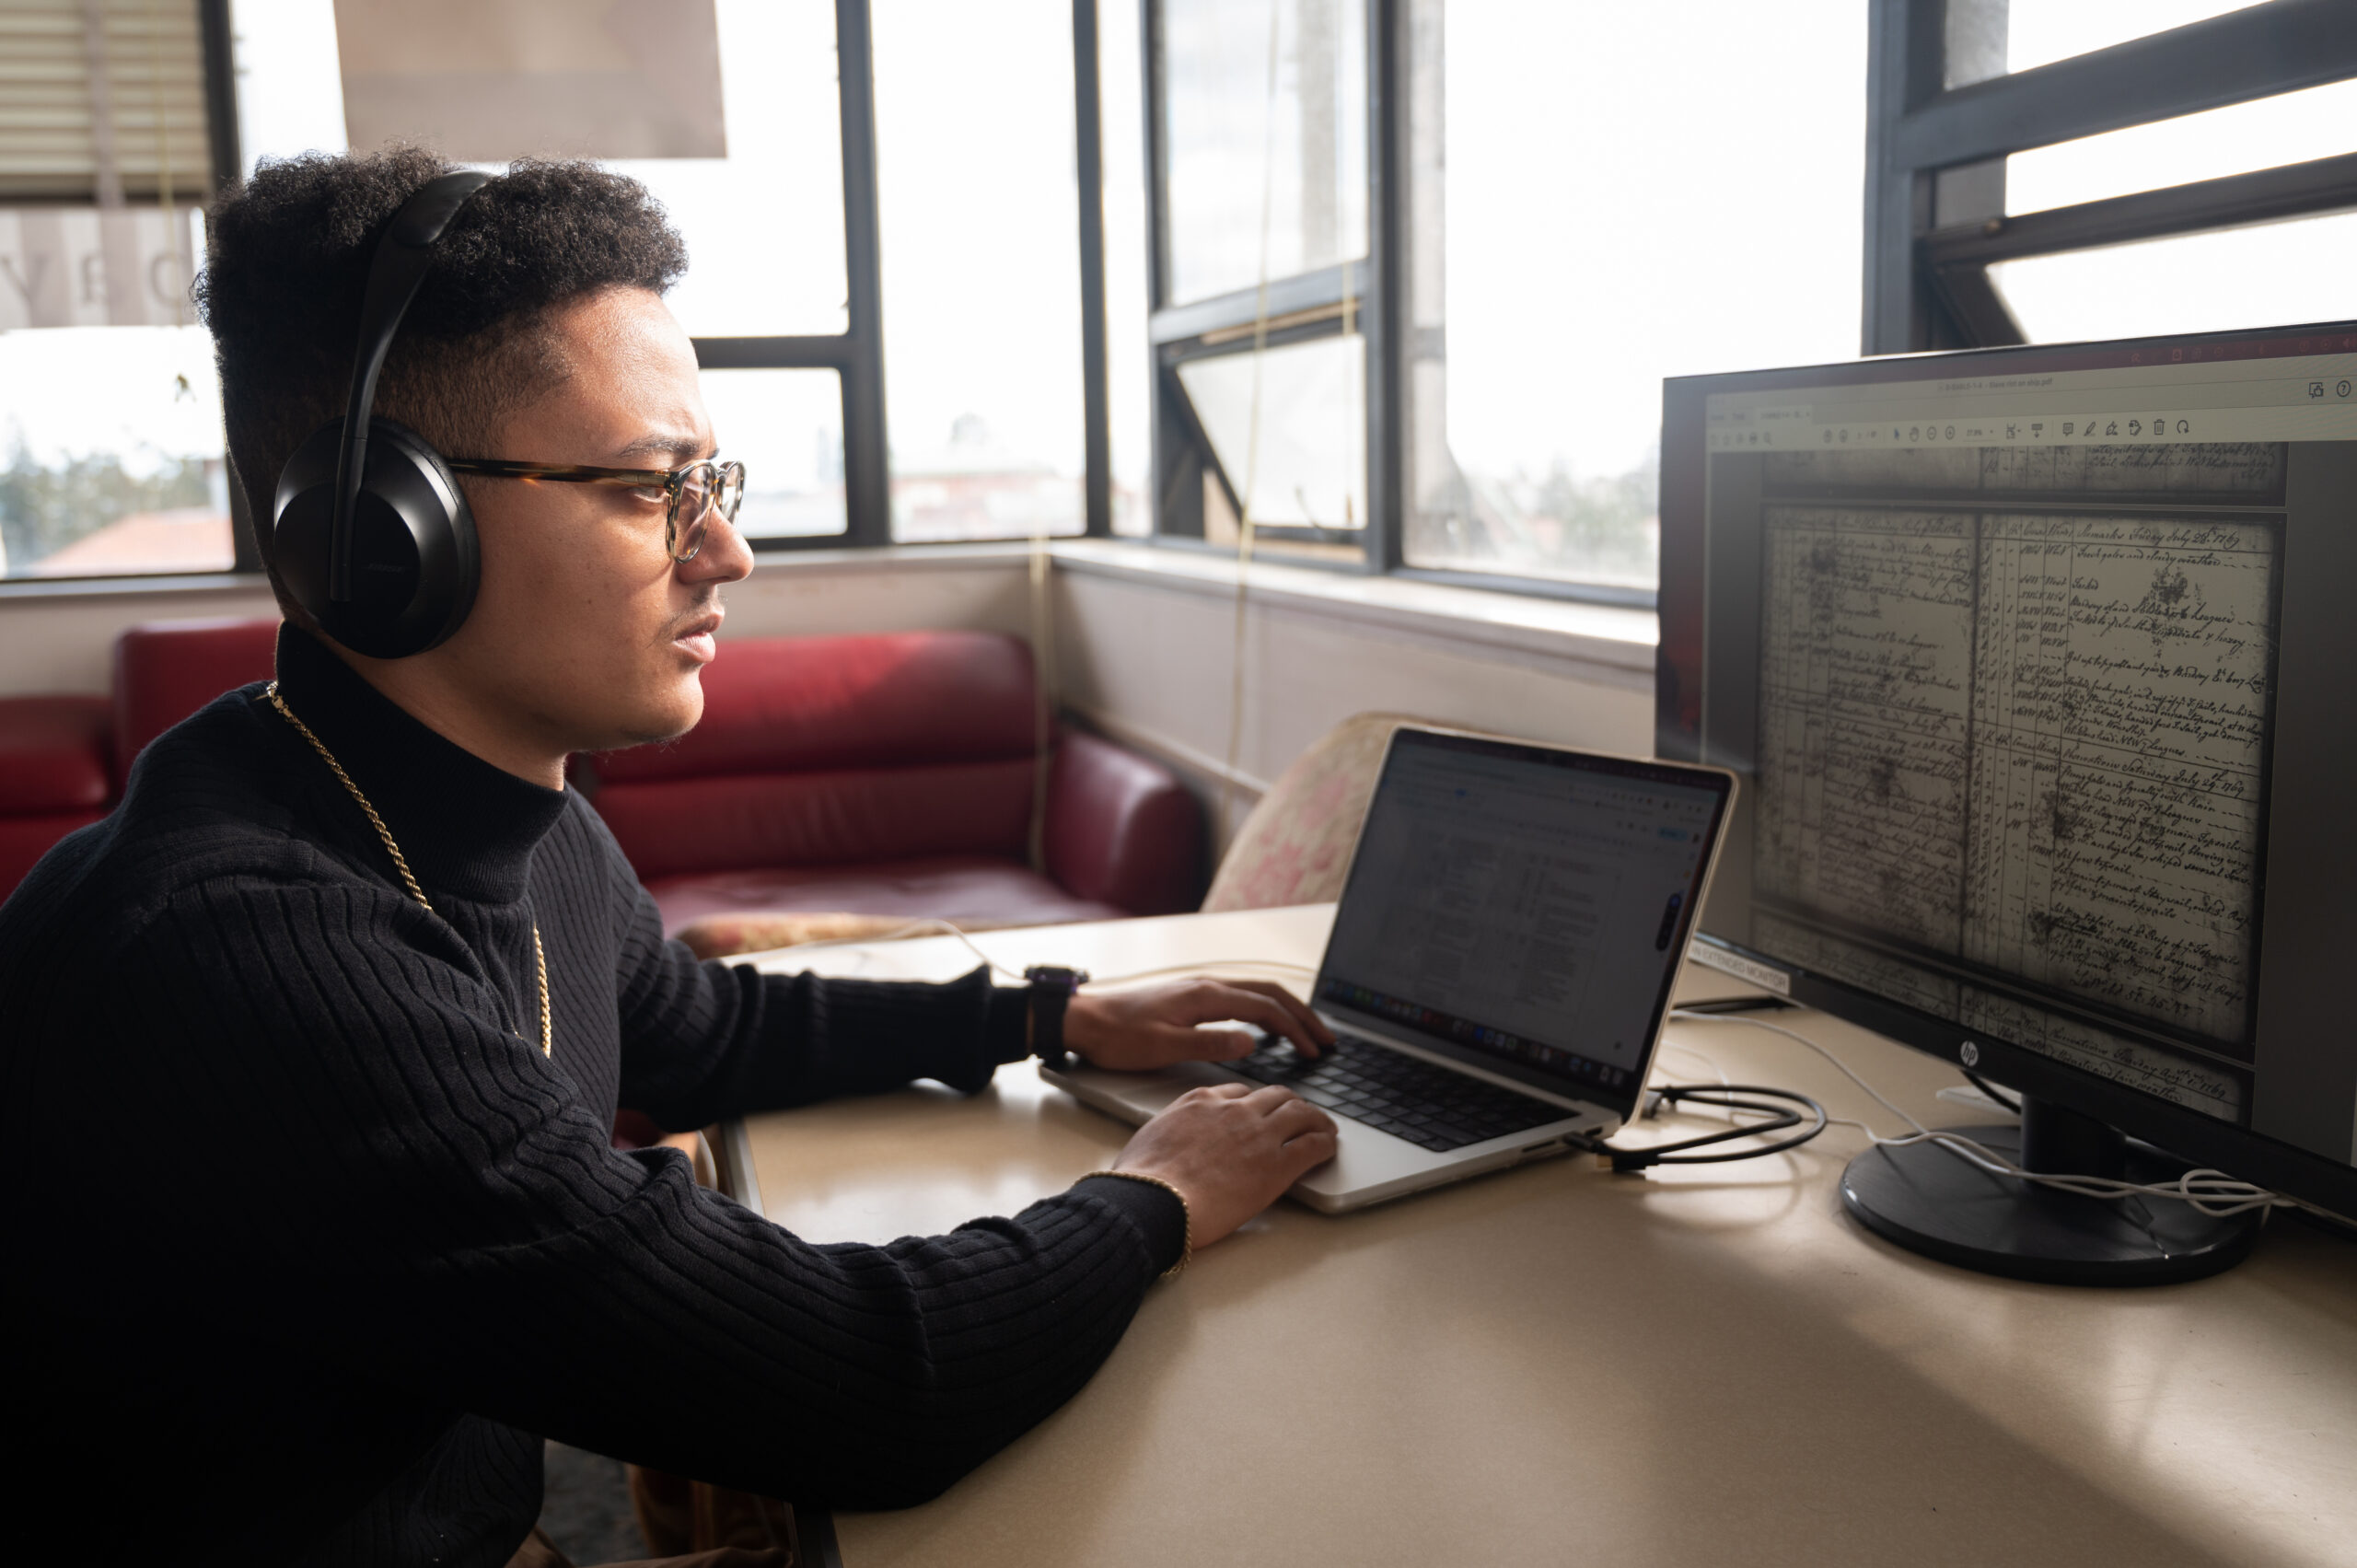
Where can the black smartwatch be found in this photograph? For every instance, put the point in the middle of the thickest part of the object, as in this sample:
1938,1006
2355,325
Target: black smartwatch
1043,1029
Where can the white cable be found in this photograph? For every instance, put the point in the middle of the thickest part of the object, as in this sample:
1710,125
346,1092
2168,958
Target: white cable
2213,1192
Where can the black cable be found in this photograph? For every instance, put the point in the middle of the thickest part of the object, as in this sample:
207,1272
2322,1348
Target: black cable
1723,1096
1993,1092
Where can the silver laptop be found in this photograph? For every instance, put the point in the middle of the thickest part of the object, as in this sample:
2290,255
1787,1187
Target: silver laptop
1500,965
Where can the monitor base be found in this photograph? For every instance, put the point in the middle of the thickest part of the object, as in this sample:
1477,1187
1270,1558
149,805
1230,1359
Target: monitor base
1927,1198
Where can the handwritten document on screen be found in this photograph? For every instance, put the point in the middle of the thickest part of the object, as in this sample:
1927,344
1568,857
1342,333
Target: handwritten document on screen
2027,734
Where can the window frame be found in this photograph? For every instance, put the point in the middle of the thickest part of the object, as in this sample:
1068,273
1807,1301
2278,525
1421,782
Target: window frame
1360,293
1935,186
1934,221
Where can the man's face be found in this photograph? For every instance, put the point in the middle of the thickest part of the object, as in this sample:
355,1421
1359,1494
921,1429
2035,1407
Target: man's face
586,634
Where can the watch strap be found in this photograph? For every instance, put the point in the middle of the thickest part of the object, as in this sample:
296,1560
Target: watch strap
1052,989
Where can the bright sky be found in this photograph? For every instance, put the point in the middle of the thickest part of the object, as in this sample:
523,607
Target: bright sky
1637,191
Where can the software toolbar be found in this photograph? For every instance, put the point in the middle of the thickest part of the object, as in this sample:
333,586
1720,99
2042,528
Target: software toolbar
2297,400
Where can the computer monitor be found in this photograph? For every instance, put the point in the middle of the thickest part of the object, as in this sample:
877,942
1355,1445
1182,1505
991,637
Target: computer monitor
2038,665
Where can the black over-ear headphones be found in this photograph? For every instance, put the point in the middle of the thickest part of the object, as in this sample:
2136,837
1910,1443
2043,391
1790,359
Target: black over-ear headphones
371,533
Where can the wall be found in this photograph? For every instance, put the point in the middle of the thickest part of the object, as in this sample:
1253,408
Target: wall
1146,642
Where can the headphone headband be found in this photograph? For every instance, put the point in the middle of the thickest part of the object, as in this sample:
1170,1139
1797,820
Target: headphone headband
403,254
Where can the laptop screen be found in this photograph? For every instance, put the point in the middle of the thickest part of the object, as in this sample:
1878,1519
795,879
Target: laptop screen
1523,907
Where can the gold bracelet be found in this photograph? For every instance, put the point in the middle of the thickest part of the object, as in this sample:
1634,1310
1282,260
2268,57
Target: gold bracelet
1187,1240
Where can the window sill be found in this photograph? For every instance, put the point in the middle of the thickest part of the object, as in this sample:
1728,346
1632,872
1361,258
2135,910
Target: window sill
1525,626
131,586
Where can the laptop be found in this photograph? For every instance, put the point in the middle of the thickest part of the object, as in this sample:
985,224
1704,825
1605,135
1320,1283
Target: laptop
1500,966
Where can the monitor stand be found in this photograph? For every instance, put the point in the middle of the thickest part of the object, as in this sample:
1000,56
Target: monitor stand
1928,1199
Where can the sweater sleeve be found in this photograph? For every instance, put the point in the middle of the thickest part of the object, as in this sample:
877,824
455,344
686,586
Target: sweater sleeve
703,1041
409,1196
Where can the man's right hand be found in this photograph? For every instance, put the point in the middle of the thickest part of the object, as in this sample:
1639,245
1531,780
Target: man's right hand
1230,1150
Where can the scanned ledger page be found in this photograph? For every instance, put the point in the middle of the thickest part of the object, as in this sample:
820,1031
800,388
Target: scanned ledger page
2012,741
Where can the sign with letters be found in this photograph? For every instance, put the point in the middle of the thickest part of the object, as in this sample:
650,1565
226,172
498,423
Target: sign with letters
89,267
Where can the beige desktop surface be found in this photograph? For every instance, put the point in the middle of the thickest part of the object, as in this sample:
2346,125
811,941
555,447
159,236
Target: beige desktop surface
1557,1365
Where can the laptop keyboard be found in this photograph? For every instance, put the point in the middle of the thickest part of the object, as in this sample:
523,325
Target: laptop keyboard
1393,1092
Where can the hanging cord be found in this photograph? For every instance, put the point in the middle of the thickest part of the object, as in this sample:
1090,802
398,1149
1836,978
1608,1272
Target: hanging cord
1246,524
1043,700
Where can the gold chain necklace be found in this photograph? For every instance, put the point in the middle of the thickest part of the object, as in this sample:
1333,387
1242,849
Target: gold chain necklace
400,863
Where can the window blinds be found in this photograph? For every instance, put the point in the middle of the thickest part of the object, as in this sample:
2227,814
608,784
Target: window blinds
102,101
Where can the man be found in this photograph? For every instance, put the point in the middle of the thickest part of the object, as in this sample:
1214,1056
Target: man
313,1046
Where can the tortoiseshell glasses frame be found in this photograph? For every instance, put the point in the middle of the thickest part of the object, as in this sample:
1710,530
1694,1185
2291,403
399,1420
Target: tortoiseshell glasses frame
690,494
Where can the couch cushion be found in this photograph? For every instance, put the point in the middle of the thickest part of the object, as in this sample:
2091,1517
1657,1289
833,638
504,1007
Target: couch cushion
805,704
682,826
957,888
165,670
53,754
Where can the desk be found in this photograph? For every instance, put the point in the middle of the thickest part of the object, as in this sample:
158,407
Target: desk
1556,1363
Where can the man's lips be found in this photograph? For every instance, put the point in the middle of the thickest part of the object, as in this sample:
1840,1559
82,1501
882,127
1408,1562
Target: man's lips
696,636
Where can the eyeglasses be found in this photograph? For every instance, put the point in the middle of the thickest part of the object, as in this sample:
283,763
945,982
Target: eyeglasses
690,494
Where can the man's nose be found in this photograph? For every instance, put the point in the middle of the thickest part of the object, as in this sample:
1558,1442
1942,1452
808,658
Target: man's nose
724,558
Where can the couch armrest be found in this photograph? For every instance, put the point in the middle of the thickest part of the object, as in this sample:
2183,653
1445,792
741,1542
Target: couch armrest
1122,829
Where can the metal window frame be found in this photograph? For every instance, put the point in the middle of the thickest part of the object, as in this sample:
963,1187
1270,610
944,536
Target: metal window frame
857,353
1926,270
1301,307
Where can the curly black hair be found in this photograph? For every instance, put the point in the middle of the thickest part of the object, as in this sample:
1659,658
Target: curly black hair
287,261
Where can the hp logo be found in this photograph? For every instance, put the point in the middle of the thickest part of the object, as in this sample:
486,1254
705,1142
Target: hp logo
1970,1053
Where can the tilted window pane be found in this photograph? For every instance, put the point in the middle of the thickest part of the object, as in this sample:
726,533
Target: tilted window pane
2291,128
1264,128
1577,232
2192,283
786,428
110,438
981,220
1290,430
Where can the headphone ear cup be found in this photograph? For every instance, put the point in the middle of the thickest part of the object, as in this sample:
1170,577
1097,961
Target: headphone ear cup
415,564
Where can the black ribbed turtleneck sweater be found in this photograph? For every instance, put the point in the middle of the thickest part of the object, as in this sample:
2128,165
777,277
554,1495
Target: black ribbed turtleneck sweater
312,1247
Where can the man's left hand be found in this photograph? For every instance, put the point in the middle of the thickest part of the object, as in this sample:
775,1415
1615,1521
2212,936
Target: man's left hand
1156,1025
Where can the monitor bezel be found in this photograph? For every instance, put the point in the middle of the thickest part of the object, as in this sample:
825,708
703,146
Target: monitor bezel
1682,668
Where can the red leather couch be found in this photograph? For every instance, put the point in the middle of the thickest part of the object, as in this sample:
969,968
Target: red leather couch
886,776
56,775
893,775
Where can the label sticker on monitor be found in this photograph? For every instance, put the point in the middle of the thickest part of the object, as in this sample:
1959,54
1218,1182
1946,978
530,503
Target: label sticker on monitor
1742,969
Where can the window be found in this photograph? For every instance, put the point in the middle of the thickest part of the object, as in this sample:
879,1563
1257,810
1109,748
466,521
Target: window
1578,233
111,446
1419,266
1390,285
975,174
1260,271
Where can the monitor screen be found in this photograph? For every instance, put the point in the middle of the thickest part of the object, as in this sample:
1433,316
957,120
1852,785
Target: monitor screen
2031,657
1523,906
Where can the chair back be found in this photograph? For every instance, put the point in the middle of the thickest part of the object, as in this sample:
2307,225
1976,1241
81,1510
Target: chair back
1295,846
